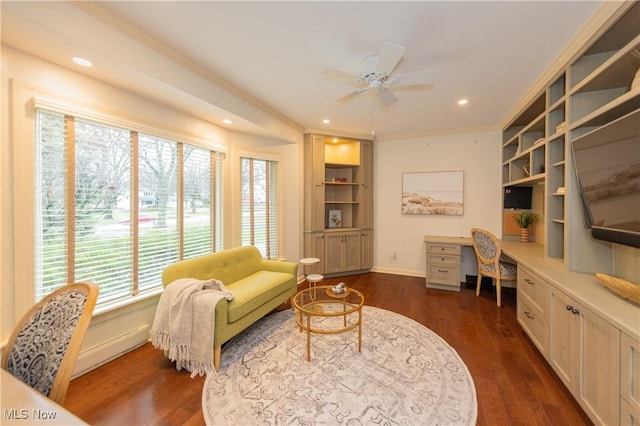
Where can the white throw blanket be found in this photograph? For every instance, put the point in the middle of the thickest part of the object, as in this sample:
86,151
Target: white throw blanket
185,322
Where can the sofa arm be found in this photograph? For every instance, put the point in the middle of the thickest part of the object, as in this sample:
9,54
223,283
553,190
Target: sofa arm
280,266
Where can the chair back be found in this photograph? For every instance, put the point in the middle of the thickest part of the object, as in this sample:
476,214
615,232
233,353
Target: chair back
45,343
487,248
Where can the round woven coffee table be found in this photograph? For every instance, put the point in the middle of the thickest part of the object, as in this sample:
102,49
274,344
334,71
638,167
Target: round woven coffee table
318,302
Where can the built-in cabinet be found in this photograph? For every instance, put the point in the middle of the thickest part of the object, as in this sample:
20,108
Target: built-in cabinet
584,351
590,98
587,334
338,203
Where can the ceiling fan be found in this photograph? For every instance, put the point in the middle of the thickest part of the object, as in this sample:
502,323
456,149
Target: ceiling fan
375,75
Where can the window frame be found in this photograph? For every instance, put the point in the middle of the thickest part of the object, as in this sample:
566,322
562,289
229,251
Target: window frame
24,128
277,202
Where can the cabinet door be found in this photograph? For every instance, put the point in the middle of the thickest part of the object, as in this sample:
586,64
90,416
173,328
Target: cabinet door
333,252
584,352
599,383
563,324
342,252
352,247
367,250
628,415
630,376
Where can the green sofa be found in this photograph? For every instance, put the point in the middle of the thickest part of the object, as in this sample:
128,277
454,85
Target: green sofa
259,286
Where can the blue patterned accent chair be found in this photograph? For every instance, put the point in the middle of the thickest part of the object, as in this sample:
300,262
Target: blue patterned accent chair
44,346
488,251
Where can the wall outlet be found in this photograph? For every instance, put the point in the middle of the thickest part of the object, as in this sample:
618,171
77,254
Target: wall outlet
394,255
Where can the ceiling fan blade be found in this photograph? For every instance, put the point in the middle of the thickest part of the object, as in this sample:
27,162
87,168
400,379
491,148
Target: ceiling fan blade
352,95
390,55
329,72
417,78
386,97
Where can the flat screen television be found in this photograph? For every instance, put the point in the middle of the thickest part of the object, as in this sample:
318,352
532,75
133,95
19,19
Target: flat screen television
607,164
517,197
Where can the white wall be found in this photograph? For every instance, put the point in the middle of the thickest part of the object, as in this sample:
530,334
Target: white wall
23,77
476,154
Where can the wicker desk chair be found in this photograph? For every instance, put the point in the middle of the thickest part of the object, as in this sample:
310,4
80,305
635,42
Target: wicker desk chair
488,251
44,346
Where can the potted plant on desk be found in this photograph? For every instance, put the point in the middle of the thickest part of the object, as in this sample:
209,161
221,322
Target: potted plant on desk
525,219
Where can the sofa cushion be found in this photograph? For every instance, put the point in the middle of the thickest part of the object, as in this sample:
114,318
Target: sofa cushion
227,266
255,290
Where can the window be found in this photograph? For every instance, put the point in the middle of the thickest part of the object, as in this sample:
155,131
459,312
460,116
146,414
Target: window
114,206
259,222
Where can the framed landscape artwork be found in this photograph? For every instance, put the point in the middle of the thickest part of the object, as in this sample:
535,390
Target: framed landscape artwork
433,193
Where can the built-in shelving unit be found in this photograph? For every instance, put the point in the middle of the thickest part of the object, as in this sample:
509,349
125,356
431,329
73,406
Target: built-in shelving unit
591,101
338,203
591,94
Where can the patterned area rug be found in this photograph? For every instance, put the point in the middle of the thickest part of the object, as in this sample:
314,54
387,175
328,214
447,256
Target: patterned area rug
406,375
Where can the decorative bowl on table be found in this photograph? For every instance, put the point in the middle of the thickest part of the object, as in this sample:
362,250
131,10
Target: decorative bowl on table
339,288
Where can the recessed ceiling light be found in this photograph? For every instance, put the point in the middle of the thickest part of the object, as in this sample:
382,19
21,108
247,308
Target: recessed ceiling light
335,140
463,102
82,62
227,121
326,121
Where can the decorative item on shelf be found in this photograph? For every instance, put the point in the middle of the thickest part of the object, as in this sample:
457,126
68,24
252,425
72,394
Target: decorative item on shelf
339,180
560,190
335,218
526,170
623,288
541,168
525,219
560,127
635,84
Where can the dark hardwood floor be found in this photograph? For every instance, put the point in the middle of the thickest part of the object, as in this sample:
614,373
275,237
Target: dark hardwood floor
514,383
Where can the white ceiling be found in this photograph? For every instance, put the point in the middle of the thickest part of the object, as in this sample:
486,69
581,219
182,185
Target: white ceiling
260,63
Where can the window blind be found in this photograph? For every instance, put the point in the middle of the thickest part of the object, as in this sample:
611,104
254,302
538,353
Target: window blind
259,206
114,206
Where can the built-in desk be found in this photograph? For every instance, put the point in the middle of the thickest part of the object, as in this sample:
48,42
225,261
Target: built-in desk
23,405
444,261
588,335
586,288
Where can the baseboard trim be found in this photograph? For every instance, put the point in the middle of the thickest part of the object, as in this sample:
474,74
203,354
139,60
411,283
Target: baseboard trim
108,351
405,272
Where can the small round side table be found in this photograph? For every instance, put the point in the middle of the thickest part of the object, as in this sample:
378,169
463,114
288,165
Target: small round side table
312,279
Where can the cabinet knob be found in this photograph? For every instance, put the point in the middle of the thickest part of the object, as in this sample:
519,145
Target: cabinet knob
440,270
528,281
528,314
573,310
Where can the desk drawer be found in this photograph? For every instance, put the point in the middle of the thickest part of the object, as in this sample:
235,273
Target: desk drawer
443,259
533,286
452,249
443,274
533,321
